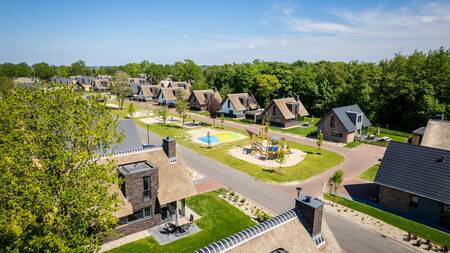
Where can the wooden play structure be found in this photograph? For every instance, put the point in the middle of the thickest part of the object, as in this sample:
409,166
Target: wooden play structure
266,146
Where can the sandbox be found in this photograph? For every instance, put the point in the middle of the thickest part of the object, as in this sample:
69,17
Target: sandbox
244,153
215,136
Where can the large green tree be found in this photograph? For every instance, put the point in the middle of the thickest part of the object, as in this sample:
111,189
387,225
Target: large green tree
120,87
187,71
43,71
54,194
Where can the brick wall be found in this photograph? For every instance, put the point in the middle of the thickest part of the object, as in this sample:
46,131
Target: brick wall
394,199
134,189
128,229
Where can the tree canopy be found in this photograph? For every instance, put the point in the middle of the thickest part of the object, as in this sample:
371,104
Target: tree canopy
54,194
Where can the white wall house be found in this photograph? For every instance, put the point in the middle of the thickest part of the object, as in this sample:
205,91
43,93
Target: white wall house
228,109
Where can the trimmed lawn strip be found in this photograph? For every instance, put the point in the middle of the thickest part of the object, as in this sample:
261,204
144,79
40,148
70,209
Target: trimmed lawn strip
313,163
370,173
394,135
423,231
218,220
353,144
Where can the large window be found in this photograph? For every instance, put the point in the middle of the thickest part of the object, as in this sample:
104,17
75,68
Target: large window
414,201
140,214
332,121
359,118
146,190
337,134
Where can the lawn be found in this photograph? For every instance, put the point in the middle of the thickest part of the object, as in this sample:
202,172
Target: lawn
353,144
315,161
370,173
394,135
302,131
419,229
218,220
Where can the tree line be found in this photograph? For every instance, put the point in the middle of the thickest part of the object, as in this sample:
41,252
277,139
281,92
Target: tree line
401,93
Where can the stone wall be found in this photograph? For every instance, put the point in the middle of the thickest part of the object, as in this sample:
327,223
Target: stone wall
394,199
135,188
128,229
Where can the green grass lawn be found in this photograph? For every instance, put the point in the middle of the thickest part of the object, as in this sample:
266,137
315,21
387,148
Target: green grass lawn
394,135
419,229
370,173
200,112
313,163
353,144
218,220
302,131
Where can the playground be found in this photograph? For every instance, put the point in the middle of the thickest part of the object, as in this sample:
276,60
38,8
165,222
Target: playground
214,137
267,150
245,154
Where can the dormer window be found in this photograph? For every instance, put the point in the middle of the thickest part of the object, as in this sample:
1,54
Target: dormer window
332,120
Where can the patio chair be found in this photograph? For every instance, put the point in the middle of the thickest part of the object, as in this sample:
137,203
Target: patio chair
407,237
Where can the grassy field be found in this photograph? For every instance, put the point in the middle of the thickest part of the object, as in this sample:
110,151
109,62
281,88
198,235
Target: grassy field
314,163
370,173
302,131
394,135
218,220
419,229
353,144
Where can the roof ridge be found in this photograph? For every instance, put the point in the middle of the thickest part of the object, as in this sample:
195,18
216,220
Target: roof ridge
248,234
132,151
419,146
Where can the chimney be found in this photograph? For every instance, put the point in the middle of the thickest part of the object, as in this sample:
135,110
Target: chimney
311,211
296,97
170,147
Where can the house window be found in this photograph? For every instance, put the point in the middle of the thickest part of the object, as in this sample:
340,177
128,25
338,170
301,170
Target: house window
336,134
229,104
139,215
146,184
274,111
414,201
359,118
332,121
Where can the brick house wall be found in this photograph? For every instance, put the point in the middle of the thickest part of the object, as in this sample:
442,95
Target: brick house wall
394,199
325,128
134,188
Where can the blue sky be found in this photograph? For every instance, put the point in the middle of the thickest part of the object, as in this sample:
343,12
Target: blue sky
217,32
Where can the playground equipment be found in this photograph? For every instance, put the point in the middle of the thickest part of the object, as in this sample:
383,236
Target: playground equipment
266,146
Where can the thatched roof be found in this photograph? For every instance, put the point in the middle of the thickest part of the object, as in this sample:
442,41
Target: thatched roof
281,103
174,181
437,134
149,90
201,95
287,233
125,207
235,100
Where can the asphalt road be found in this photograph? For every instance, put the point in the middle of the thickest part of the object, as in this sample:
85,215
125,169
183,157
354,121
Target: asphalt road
352,238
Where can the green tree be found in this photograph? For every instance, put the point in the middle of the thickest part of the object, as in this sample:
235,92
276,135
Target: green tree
120,87
132,69
78,68
319,140
213,107
6,86
281,156
54,195
181,107
43,71
131,109
187,71
266,85
335,182
163,113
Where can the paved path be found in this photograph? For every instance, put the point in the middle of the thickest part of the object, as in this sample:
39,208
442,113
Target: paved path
352,238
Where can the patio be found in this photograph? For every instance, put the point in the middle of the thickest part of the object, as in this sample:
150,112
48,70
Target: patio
163,238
